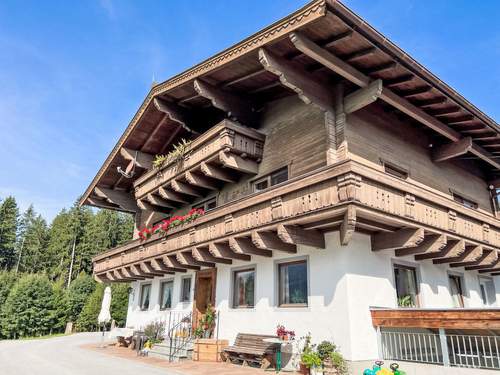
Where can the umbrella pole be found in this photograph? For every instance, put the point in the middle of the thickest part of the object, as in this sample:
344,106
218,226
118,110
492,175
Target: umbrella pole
102,337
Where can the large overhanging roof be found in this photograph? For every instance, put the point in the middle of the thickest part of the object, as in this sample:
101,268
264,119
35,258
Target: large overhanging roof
195,99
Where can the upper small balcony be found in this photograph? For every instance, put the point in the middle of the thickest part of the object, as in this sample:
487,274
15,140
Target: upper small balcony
220,155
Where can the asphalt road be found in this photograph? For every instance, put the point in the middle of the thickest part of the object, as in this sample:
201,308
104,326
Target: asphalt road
63,356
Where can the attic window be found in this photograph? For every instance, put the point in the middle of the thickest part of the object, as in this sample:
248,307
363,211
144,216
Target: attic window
466,202
395,170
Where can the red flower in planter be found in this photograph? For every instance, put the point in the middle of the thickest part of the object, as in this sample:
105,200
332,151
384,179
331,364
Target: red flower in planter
166,224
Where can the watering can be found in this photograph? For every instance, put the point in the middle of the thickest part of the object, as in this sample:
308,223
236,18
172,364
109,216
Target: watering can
375,369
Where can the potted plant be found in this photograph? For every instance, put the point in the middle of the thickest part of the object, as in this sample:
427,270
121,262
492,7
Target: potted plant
333,362
312,362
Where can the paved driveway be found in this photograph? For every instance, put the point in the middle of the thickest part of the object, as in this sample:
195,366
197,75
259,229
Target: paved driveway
63,356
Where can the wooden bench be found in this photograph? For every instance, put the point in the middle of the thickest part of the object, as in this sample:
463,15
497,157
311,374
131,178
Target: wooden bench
251,348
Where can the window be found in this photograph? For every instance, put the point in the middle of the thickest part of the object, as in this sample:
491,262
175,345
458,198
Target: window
456,290
292,283
275,178
145,294
406,285
487,290
244,288
463,201
186,289
395,171
166,291
207,205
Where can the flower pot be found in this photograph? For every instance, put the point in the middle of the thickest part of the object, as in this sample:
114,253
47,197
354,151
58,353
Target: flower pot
303,369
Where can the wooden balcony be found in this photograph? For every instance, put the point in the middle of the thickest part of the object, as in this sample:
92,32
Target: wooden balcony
468,319
347,196
220,155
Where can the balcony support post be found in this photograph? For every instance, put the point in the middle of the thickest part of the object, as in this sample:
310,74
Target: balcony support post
444,347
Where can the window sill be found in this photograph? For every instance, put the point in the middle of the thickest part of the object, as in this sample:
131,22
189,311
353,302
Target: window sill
293,305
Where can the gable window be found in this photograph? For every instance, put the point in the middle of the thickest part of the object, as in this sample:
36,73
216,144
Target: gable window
395,170
244,288
456,290
292,284
406,285
275,178
487,290
145,295
186,289
166,292
207,205
466,202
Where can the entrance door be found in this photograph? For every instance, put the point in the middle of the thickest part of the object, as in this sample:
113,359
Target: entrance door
204,292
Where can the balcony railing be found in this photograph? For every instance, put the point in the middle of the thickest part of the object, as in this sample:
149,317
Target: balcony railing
217,155
347,196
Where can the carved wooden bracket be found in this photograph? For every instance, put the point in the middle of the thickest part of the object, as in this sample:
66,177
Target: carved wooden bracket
452,221
276,208
228,221
486,233
410,205
349,186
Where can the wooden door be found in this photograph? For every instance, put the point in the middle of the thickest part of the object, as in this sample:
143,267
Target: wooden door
204,292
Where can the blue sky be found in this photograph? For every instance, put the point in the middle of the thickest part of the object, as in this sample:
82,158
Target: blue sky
72,74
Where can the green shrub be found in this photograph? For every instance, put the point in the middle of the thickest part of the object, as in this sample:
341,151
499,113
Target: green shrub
119,303
87,321
78,293
325,349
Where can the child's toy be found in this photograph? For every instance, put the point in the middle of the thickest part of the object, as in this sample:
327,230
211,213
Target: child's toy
395,369
376,367
378,370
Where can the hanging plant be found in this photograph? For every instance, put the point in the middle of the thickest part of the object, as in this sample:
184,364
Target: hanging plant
173,156
166,224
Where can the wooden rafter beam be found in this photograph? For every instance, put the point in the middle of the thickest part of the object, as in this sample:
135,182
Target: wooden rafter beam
236,162
223,250
218,173
452,150
159,265
244,245
191,257
125,274
471,254
293,234
200,181
394,82
101,203
236,107
452,249
144,205
172,261
348,225
291,75
158,201
173,196
149,270
270,241
345,70
363,97
120,198
431,244
136,270
175,113
181,187
382,68
401,239
202,254
488,258
495,264
138,158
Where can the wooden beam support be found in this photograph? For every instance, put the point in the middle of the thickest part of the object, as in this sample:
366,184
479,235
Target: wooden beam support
158,201
394,82
181,187
381,68
139,158
190,257
200,181
237,108
172,195
222,250
452,150
97,202
147,268
363,97
471,253
402,238
291,75
122,199
146,206
431,244
348,225
236,162
123,273
175,113
453,248
173,261
202,254
270,241
345,70
488,258
136,270
293,234
495,265
159,265
244,245
356,55
217,173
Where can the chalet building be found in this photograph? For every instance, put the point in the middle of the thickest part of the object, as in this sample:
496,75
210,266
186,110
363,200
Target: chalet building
347,192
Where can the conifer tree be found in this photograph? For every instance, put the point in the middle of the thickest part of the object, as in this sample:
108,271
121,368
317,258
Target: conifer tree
9,214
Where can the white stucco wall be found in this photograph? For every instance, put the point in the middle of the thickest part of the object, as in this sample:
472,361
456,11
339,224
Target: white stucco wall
344,281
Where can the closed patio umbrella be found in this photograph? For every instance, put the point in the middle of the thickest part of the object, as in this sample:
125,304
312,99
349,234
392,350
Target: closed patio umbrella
105,314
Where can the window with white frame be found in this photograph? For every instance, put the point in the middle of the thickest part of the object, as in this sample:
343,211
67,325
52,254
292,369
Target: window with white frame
207,205
186,289
405,278
244,288
275,178
292,284
456,290
166,293
487,291
145,296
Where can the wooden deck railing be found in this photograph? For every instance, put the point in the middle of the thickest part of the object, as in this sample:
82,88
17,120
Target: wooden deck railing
347,196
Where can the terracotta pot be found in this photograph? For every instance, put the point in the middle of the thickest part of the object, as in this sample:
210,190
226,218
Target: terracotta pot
303,369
